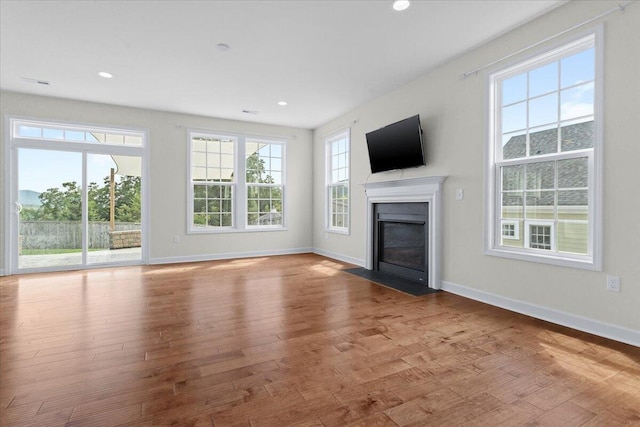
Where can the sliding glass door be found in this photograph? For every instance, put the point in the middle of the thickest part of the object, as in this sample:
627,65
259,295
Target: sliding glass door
77,197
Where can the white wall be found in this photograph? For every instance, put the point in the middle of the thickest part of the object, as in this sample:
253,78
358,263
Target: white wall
452,111
168,175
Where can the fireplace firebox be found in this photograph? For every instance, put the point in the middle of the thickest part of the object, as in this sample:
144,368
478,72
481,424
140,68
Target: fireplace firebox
401,240
423,194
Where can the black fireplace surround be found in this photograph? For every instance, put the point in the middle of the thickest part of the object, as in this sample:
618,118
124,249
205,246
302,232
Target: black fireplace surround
401,240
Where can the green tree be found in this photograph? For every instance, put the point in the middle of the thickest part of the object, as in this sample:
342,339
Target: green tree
260,199
128,204
64,204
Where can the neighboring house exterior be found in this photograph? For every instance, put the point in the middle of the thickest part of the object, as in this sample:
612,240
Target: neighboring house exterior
529,201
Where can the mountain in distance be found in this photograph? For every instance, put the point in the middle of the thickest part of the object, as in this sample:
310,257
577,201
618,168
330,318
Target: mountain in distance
29,199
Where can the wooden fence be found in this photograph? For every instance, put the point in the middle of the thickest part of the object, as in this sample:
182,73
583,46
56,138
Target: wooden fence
67,234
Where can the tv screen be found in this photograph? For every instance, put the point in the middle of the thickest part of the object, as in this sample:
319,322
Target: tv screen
396,146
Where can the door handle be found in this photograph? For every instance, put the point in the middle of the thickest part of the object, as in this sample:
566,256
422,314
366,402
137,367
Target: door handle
18,207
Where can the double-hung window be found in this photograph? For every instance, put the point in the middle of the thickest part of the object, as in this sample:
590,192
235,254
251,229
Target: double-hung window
337,179
543,157
212,180
264,181
227,194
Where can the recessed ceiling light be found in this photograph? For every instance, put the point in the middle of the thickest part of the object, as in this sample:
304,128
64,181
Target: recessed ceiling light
282,103
401,4
223,47
105,75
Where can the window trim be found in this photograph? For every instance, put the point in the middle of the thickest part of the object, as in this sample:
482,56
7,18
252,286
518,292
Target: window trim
492,229
329,184
239,186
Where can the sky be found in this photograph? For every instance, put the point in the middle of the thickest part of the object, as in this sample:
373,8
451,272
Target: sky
40,170
567,83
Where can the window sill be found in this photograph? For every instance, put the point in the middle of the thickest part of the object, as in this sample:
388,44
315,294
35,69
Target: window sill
230,230
583,263
345,232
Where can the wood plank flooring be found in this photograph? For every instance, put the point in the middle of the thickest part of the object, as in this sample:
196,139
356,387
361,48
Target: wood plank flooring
291,340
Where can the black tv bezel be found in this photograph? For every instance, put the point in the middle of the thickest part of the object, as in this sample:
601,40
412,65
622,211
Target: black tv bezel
410,144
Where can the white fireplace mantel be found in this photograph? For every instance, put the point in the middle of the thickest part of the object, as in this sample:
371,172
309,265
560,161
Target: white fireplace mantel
424,189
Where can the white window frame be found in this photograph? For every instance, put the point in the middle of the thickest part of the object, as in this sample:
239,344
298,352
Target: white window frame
330,184
239,184
493,146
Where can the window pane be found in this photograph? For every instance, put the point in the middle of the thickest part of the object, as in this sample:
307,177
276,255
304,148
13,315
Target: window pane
211,160
200,191
578,68
276,150
514,117
213,146
543,140
577,102
199,220
577,136
29,131
540,175
573,204
132,140
543,110
113,139
543,80
276,178
540,204
573,237
512,177
573,173
514,89
199,145
74,135
512,205
53,133
514,145
226,220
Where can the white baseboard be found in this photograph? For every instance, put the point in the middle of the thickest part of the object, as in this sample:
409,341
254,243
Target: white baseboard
231,255
1,271
606,330
340,257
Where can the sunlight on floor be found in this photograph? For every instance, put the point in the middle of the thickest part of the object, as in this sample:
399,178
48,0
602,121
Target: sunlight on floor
327,268
238,263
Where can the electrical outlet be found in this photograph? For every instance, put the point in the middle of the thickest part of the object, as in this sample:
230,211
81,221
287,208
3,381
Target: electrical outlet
176,239
459,194
613,283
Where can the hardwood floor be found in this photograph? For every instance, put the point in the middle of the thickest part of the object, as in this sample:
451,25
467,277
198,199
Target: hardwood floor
291,340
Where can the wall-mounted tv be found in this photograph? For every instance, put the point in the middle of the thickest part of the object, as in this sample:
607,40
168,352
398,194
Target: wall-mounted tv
396,146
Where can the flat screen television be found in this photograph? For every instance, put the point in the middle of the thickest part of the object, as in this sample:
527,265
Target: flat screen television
396,146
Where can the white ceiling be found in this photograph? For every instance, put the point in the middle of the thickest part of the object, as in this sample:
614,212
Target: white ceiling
323,57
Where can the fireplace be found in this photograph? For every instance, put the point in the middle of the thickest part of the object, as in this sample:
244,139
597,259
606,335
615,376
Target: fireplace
400,236
403,223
